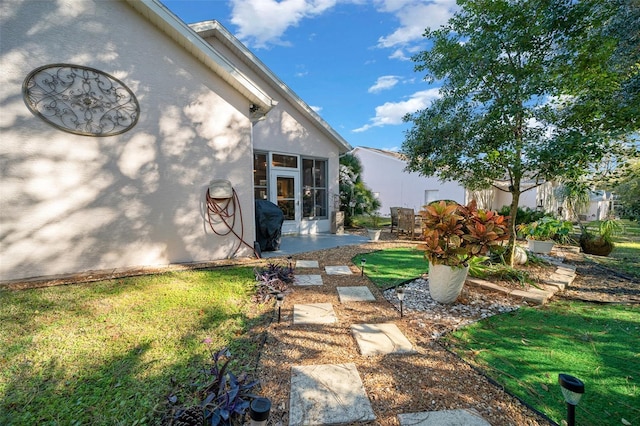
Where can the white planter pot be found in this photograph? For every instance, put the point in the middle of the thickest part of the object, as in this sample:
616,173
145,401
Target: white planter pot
374,234
445,282
542,247
520,256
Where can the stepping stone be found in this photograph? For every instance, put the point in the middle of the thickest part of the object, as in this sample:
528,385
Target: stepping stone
328,394
307,280
443,418
338,270
380,339
307,264
355,294
314,313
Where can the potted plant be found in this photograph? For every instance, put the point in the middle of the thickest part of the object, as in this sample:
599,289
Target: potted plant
373,227
600,244
541,234
454,234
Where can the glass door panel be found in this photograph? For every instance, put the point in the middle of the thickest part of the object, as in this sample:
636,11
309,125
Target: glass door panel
287,196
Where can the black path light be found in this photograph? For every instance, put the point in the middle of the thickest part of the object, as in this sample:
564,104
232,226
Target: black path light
279,302
259,411
363,262
572,390
400,294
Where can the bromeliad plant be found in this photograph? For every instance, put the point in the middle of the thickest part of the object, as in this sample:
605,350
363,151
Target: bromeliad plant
454,233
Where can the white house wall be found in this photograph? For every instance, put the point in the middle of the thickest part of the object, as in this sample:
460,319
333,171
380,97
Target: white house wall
396,187
73,203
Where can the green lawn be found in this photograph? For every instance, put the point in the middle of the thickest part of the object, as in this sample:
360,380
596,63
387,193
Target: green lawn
390,267
105,353
525,351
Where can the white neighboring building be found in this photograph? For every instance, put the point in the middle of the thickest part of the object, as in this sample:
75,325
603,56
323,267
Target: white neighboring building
383,172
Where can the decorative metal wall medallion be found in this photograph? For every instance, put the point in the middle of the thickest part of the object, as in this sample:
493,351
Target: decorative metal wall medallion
80,100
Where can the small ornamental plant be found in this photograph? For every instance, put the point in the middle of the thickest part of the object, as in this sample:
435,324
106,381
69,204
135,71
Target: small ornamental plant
224,397
272,280
546,229
454,233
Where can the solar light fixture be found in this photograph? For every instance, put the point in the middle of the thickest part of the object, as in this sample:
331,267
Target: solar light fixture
259,411
279,302
400,294
363,262
572,390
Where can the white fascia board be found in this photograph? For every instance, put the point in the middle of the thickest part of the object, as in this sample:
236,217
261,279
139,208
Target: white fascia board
182,34
215,29
381,153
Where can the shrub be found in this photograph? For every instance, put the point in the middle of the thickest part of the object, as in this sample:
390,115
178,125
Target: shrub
224,397
273,279
524,215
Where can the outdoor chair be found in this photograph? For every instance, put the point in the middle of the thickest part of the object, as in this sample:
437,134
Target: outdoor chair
394,218
407,222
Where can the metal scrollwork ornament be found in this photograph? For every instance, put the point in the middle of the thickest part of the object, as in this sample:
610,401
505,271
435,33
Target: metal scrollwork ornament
81,100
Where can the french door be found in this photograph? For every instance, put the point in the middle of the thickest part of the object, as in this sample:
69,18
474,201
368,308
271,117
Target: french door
286,191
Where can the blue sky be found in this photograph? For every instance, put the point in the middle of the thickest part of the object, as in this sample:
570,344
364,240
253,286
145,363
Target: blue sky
348,59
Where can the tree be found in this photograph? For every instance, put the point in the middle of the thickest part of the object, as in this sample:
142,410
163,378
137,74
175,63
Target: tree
355,197
515,105
628,194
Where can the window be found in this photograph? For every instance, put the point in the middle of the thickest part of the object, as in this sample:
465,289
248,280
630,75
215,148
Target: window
260,180
314,188
430,195
281,160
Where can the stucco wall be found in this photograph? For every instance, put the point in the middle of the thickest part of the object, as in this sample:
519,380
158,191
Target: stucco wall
399,188
73,203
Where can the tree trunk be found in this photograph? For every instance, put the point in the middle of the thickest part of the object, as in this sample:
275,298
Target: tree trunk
515,200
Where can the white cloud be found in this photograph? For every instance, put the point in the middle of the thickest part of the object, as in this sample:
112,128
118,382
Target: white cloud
264,22
261,22
315,108
383,83
391,113
414,17
399,54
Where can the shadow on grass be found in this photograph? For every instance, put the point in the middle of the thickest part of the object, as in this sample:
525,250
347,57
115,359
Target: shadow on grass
112,352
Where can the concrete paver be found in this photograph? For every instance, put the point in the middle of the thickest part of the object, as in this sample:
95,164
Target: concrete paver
307,264
314,313
443,418
338,270
355,294
310,279
380,339
328,394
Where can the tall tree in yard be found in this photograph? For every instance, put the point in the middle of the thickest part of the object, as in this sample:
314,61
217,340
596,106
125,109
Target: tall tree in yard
518,98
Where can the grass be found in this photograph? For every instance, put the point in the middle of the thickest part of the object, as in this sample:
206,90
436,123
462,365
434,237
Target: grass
106,353
367,221
390,267
525,351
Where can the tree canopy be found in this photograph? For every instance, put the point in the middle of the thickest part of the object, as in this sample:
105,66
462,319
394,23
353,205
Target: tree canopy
530,91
